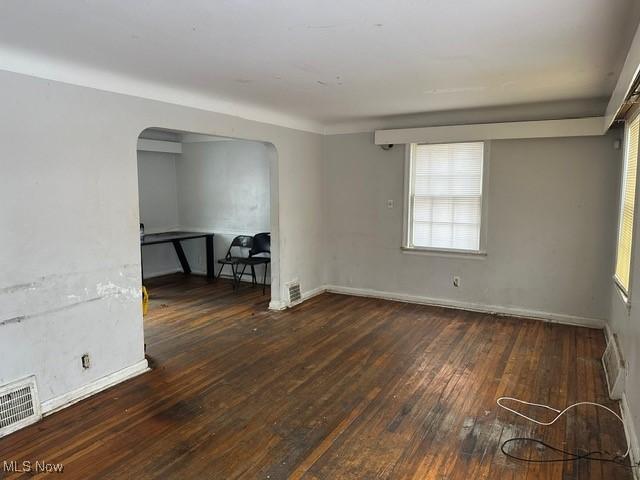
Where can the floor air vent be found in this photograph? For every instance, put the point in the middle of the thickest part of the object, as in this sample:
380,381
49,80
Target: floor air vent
614,369
294,292
19,405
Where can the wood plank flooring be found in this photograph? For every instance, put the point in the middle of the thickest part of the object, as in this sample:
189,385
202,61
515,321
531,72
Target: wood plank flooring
339,387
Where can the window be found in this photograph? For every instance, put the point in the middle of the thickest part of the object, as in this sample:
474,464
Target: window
445,196
627,204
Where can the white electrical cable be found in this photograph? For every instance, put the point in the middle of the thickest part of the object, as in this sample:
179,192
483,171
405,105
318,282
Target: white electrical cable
559,412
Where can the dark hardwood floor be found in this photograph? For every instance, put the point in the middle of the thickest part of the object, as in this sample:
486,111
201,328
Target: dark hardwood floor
337,388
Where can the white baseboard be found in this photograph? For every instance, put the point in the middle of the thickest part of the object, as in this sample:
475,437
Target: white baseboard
160,273
474,307
306,295
438,302
63,401
313,292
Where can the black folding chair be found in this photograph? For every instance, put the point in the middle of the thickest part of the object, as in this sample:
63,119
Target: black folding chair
240,242
260,254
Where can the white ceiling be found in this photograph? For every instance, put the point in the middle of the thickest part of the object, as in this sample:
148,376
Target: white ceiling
313,63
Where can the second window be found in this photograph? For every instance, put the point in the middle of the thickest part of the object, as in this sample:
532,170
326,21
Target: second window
445,196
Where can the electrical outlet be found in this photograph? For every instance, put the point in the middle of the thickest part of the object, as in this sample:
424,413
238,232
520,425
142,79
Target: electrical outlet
86,361
456,281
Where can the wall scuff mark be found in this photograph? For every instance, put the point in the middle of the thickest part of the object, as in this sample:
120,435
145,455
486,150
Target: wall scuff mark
54,293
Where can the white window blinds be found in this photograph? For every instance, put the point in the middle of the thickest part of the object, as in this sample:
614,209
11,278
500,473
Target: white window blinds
627,204
446,195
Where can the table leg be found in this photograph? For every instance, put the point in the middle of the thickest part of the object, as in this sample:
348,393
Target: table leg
181,256
210,266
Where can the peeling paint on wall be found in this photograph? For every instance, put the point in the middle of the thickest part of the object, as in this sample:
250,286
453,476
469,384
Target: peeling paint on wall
57,292
111,290
12,320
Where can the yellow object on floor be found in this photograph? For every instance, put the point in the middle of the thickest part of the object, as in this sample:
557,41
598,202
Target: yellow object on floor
145,300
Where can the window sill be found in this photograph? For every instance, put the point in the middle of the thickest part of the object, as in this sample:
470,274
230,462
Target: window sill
623,294
444,252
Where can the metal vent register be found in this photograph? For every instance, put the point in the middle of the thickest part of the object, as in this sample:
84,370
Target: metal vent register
294,292
614,369
19,405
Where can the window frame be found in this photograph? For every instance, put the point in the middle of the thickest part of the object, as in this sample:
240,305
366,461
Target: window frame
626,292
407,223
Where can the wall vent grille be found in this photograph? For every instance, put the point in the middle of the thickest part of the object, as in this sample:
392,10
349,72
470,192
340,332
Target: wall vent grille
294,292
19,405
614,368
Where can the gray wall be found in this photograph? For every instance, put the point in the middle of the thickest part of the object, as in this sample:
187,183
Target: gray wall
223,187
551,228
158,200
70,256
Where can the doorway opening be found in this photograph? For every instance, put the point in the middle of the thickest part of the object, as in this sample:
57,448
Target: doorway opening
205,205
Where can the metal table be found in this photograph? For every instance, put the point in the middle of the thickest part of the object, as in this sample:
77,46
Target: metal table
175,238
